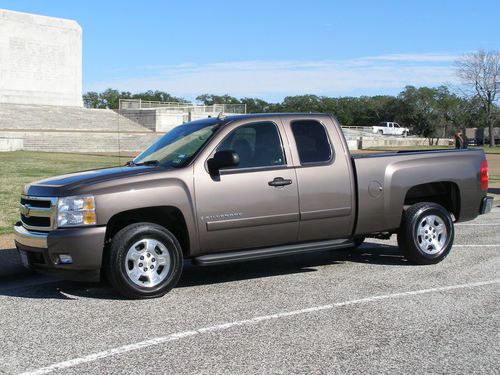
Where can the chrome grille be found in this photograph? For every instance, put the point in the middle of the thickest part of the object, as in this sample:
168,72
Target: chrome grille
38,213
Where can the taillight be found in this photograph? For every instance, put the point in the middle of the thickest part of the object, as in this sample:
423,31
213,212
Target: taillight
483,175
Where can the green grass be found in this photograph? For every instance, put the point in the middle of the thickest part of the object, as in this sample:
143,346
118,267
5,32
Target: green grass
21,167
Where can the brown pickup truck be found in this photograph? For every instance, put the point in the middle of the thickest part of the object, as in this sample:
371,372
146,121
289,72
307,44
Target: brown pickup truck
246,187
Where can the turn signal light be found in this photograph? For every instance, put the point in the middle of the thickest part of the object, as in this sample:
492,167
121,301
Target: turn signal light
89,218
483,175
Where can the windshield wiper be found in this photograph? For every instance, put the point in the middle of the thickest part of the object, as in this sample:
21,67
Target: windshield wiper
148,162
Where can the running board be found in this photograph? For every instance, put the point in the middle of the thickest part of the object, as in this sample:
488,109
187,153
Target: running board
270,252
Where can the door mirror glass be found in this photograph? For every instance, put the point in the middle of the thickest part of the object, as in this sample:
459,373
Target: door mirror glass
222,159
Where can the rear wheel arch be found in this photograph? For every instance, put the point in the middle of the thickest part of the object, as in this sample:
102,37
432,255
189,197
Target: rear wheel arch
444,193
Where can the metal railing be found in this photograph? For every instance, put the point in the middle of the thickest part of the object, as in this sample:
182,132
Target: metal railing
145,104
138,104
355,132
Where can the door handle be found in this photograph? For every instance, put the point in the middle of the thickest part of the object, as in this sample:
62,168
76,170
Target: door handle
279,181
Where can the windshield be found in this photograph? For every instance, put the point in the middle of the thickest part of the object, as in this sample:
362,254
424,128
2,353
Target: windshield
179,146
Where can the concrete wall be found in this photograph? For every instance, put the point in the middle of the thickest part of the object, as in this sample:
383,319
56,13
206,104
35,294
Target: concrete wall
11,144
162,119
146,118
70,129
85,142
40,60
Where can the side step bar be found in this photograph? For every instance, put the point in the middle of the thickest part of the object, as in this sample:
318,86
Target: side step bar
270,252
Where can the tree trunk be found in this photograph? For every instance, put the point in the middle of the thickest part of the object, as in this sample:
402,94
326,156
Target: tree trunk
489,119
492,134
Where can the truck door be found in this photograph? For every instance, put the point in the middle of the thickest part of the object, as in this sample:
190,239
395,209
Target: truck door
254,204
325,179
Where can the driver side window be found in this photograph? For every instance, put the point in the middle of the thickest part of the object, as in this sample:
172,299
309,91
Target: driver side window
257,145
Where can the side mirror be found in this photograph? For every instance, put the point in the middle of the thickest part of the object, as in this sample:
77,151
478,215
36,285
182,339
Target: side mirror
222,159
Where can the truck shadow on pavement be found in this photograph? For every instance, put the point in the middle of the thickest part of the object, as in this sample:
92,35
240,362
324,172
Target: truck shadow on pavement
40,287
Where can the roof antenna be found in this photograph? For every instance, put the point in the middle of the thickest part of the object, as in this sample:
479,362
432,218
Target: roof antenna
221,116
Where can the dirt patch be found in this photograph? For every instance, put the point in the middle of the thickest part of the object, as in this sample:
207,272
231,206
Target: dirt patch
7,242
493,164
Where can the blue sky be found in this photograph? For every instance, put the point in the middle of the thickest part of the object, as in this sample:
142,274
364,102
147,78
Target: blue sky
271,49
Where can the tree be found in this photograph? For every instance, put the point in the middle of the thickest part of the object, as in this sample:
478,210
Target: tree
255,105
446,108
156,96
210,99
302,103
379,108
480,72
419,109
110,98
91,100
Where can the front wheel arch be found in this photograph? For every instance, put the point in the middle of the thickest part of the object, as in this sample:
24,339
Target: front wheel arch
169,217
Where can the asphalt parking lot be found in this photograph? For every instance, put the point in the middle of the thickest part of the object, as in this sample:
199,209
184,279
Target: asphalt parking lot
365,311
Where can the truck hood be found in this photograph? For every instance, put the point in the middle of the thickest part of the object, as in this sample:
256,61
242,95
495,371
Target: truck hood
70,184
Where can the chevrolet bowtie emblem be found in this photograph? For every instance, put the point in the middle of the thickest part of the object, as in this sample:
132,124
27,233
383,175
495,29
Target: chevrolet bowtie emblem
25,211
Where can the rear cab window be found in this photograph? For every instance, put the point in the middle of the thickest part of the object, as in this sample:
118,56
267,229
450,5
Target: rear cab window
313,144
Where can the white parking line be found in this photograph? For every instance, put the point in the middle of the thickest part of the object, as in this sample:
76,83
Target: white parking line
222,327
478,224
487,245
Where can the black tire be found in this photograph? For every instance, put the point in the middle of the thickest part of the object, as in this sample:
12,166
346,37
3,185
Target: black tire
381,132
116,263
413,245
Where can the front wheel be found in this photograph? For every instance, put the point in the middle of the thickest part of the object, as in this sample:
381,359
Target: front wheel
144,261
426,234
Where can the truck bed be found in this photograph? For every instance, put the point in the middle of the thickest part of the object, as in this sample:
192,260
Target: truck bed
387,181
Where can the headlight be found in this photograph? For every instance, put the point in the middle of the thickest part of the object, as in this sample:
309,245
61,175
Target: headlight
73,211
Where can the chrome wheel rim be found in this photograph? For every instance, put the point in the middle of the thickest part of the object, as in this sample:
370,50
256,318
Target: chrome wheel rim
431,234
147,262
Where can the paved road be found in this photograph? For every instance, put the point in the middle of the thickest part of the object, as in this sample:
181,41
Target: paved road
331,312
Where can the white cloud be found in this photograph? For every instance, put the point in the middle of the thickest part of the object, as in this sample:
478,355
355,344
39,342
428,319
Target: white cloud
274,79
424,57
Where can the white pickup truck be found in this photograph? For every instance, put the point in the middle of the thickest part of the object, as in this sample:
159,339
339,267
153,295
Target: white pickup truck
390,128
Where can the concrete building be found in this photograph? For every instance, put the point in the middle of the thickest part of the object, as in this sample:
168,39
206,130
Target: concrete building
40,60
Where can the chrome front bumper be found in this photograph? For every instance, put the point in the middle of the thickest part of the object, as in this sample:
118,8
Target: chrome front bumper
43,250
30,239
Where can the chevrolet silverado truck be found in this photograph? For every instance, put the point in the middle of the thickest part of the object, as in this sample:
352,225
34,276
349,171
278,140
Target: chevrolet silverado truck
239,188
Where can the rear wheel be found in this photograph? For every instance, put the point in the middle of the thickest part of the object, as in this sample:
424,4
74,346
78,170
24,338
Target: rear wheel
426,234
381,132
144,261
